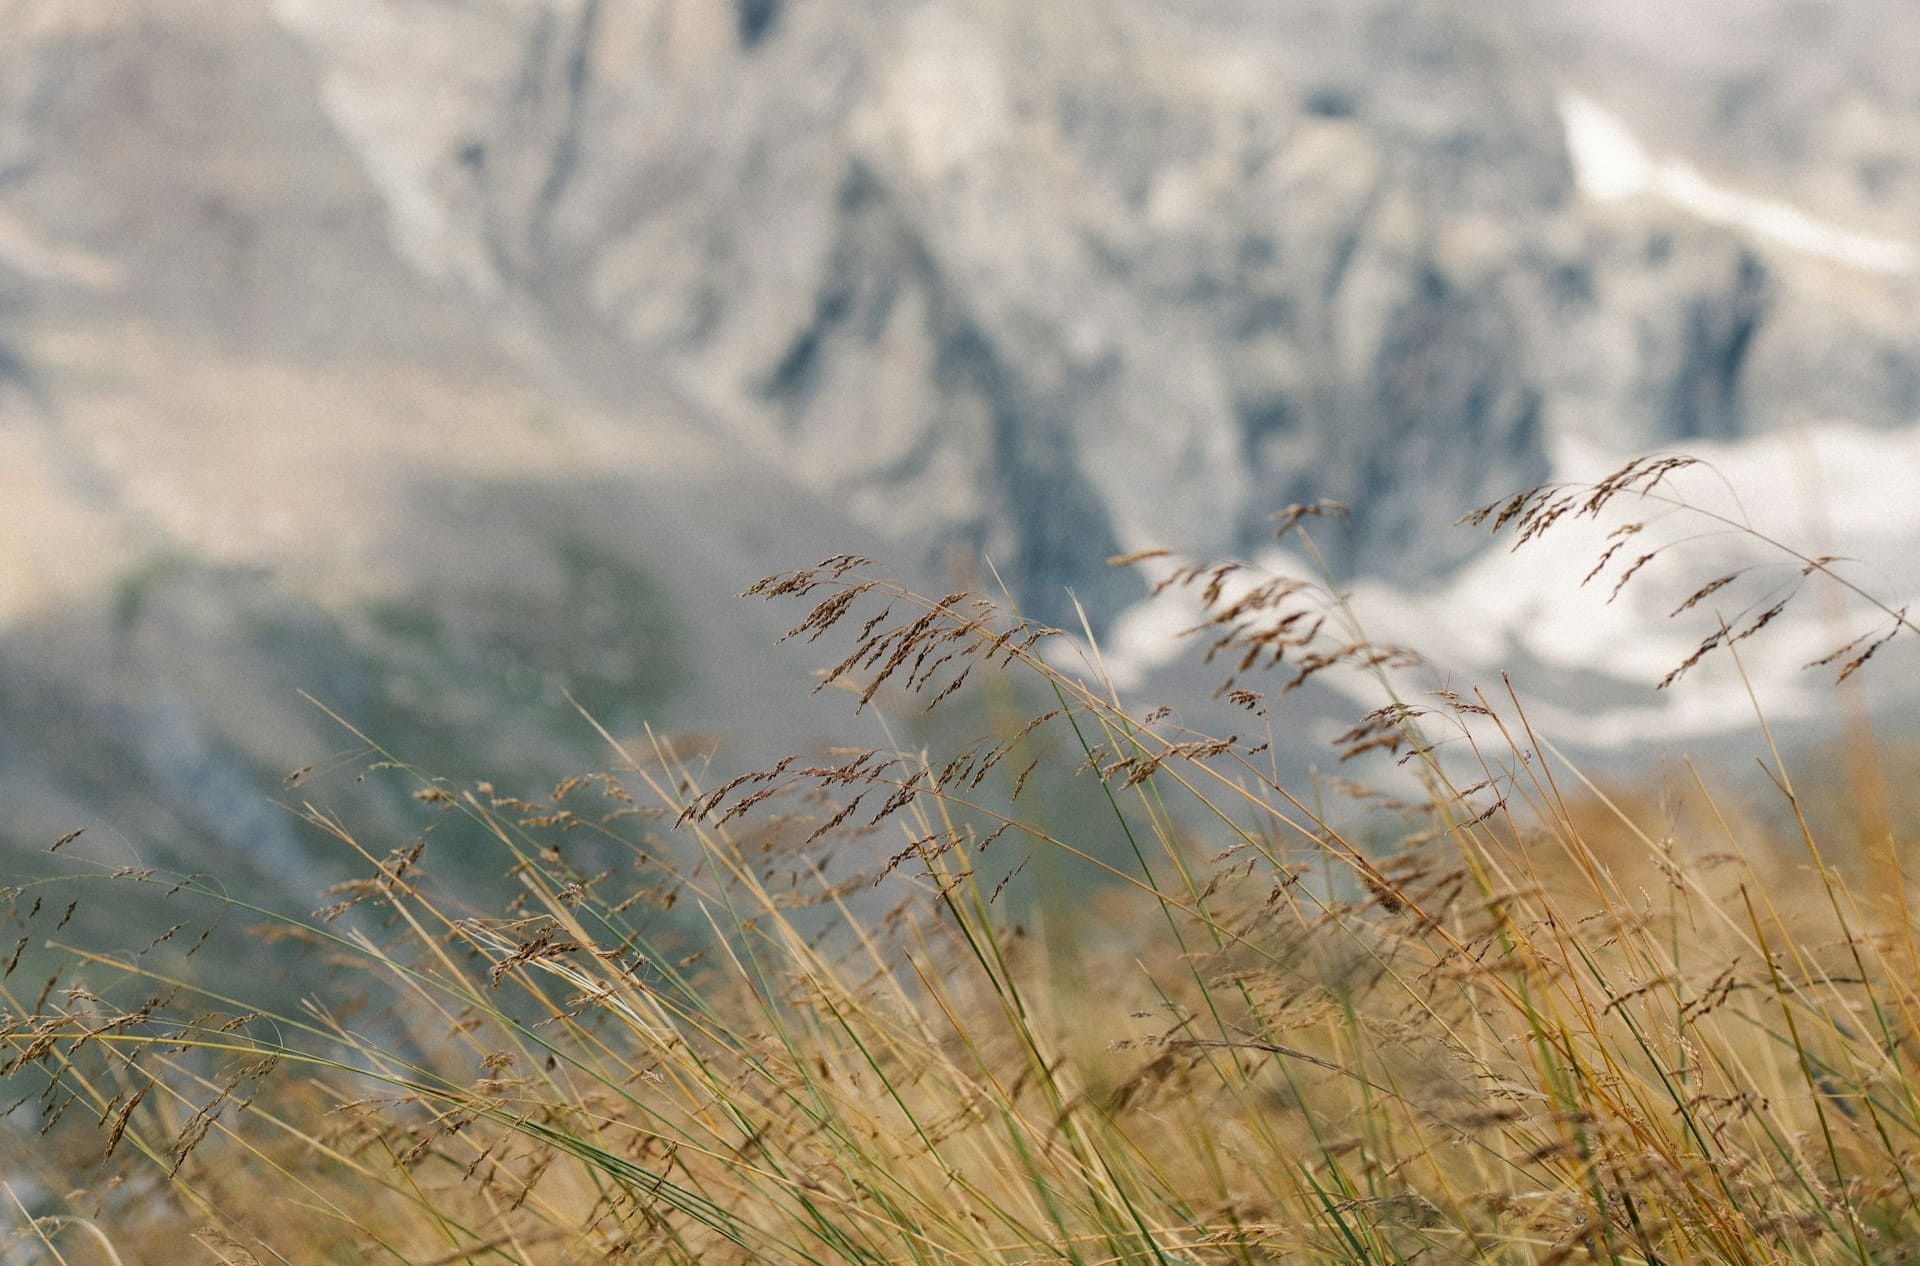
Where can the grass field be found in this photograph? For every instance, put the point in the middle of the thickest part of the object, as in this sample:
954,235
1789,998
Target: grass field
818,1013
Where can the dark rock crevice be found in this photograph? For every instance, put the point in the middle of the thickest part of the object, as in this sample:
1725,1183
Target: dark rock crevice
1707,400
1040,505
875,256
564,155
1454,418
757,19
1061,530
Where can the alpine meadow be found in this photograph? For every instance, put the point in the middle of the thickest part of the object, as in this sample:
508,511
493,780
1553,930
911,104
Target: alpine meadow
908,1004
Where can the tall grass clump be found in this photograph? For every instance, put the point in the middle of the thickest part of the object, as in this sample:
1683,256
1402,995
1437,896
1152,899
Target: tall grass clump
826,1012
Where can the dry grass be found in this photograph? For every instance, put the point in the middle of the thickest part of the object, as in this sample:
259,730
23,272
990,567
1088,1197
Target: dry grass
799,1017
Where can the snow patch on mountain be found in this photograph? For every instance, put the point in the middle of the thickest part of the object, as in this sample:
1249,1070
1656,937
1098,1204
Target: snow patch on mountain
1587,661
1611,165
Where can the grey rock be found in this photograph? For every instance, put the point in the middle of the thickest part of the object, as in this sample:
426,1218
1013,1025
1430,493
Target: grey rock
725,285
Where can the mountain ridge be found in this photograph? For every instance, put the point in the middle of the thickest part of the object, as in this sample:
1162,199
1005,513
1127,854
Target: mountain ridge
725,286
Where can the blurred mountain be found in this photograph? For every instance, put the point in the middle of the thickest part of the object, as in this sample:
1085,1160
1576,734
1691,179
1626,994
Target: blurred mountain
437,357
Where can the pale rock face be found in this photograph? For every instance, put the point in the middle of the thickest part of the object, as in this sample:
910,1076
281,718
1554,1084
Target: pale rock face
458,61
1067,281
1060,282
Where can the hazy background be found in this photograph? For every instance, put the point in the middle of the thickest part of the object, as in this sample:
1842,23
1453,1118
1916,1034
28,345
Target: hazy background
435,357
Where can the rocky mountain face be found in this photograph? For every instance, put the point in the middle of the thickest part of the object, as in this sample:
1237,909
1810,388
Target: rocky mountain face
345,342
1051,284
1056,284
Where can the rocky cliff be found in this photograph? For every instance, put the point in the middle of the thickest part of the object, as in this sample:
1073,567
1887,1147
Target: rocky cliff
1052,283
360,333
1061,282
